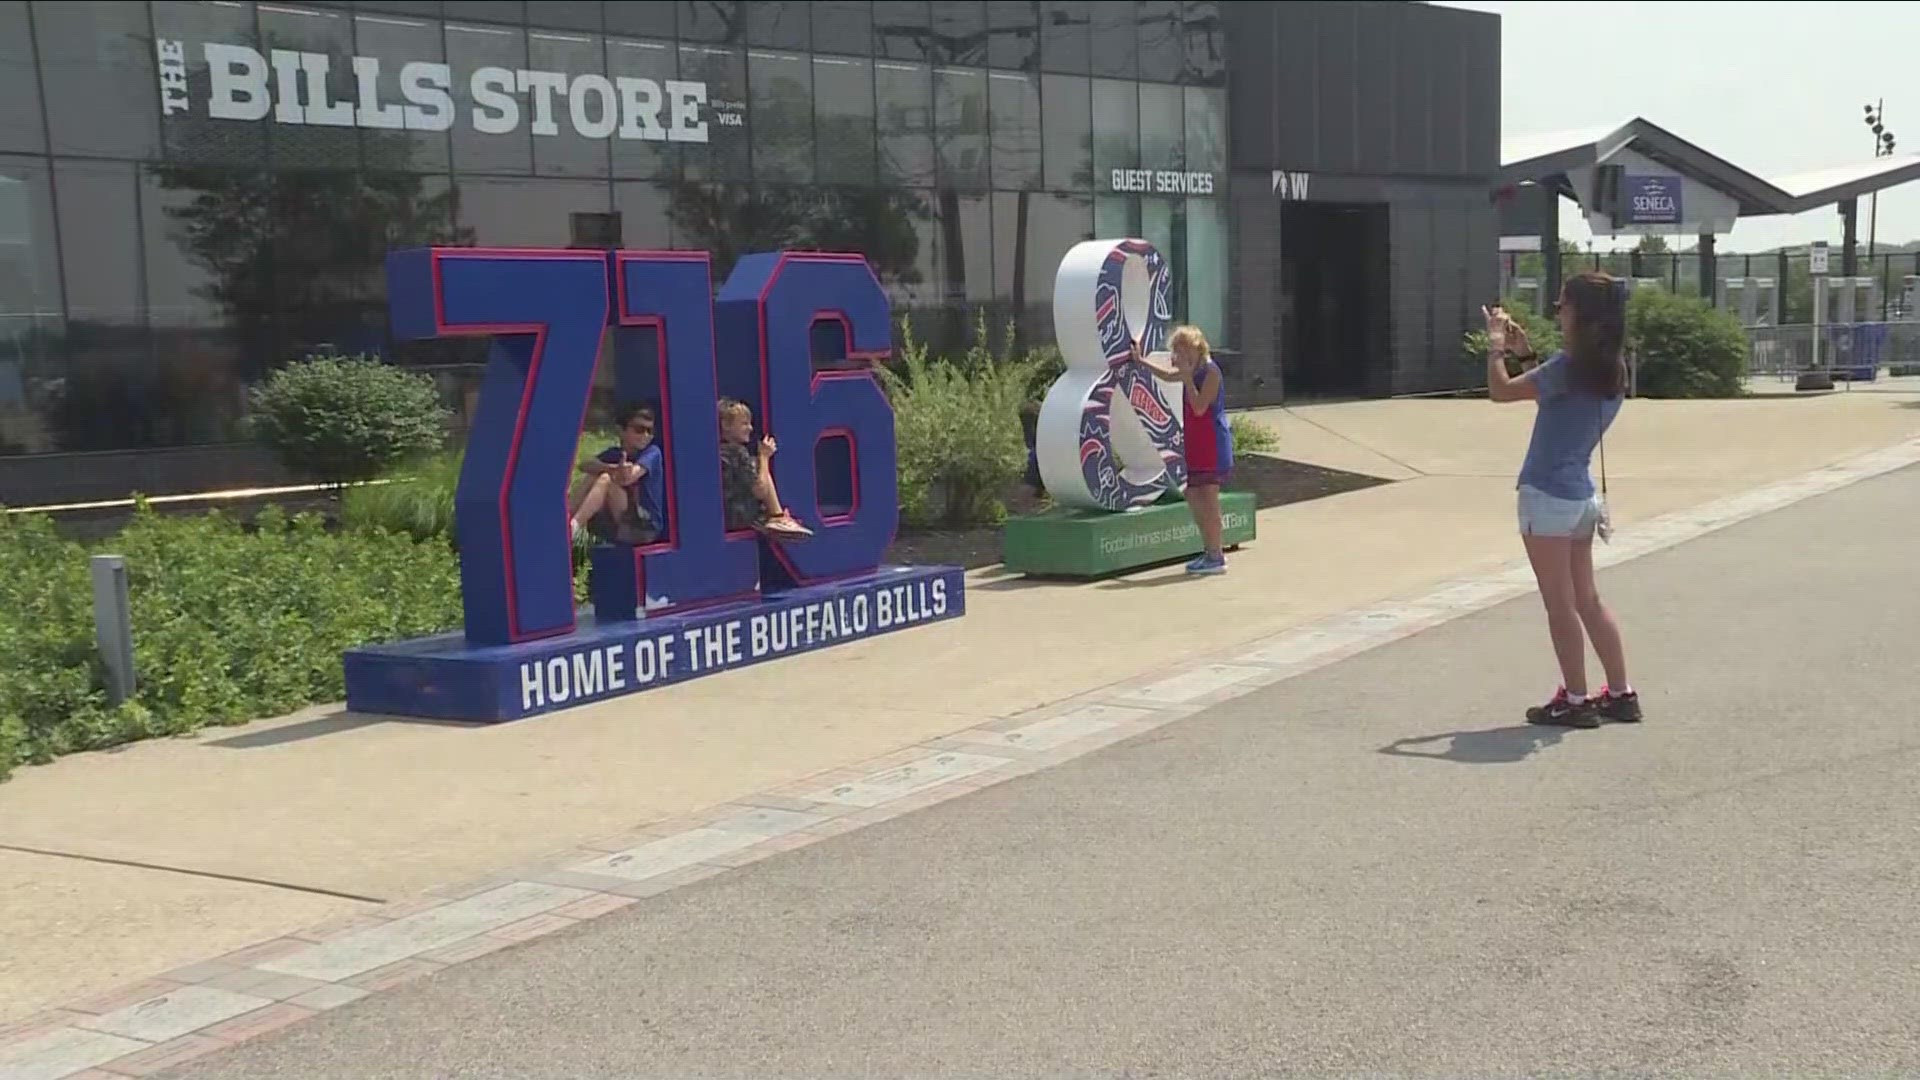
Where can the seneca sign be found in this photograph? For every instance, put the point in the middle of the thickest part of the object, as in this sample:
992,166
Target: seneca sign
292,87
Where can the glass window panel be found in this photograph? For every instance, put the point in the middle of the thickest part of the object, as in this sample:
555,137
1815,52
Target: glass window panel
1163,49
582,114
921,287
1115,39
782,115
959,33
568,14
209,253
97,72
182,250
1206,43
712,20
1067,132
656,61
644,222
100,239
1206,267
843,26
20,126
31,307
903,29
1116,216
904,101
1207,132
191,134
1162,225
965,230
1013,34
779,24
960,126
500,11
404,7
112,396
1031,234
652,19
331,231
1162,127
514,212
1116,128
395,43
318,130
1065,44
724,156
1015,105
844,119
471,48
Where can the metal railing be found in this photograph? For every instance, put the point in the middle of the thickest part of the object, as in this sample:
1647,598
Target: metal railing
1848,351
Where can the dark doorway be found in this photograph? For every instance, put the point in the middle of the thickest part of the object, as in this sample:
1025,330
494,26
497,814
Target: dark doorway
1333,299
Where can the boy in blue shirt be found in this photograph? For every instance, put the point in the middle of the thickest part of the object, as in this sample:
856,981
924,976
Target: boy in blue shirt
619,499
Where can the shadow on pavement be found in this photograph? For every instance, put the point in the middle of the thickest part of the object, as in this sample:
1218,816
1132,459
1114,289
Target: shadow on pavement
319,726
1492,746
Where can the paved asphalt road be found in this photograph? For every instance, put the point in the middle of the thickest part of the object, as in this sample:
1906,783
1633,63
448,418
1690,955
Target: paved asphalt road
1374,869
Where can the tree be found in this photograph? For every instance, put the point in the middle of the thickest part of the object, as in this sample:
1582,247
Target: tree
1652,244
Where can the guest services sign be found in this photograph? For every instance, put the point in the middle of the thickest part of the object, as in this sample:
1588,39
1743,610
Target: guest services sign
291,87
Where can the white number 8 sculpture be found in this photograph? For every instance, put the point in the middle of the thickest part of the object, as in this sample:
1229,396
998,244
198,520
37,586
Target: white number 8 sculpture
1110,435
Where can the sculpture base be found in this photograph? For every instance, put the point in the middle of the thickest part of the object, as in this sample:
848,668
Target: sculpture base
1088,544
444,678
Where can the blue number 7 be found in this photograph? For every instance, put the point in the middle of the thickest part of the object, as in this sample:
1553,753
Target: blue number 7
546,312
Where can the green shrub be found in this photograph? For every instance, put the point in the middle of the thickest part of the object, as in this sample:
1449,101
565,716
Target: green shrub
229,624
957,433
1250,436
1685,347
338,419
1048,366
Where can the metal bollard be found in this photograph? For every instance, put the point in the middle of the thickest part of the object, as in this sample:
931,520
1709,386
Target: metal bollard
113,624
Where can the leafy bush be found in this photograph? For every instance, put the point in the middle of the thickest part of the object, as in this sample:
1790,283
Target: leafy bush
338,419
1250,436
1685,347
957,432
229,624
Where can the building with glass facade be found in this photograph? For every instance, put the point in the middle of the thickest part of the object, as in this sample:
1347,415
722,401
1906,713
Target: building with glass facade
195,191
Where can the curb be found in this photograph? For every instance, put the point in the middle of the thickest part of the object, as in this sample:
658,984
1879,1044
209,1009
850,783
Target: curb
193,1011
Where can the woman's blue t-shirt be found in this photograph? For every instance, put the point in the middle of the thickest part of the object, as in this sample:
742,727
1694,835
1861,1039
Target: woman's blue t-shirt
1566,428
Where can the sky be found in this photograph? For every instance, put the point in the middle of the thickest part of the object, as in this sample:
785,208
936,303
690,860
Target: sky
1773,88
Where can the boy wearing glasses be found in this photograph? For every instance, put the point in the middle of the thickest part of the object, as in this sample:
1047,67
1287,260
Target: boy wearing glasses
619,498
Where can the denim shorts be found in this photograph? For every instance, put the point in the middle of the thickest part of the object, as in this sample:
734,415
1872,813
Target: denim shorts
1542,514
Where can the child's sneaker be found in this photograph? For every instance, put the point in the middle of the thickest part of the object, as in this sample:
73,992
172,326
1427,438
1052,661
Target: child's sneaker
1208,564
786,527
1560,712
1621,708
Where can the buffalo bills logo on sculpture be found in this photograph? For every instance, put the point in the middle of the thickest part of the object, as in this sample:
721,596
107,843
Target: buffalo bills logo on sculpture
1110,295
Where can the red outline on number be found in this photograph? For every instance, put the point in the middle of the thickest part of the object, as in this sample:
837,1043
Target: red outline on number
671,541
539,331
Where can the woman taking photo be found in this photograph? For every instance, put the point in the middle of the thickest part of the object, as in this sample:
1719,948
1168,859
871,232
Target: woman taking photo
1578,391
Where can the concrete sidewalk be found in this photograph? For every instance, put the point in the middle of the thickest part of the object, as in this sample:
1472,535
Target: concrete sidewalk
1370,869
328,814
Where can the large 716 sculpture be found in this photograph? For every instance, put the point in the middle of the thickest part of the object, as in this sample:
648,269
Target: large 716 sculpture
792,335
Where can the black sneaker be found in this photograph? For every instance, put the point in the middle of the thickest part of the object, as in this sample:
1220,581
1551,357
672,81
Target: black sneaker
1618,708
1563,713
